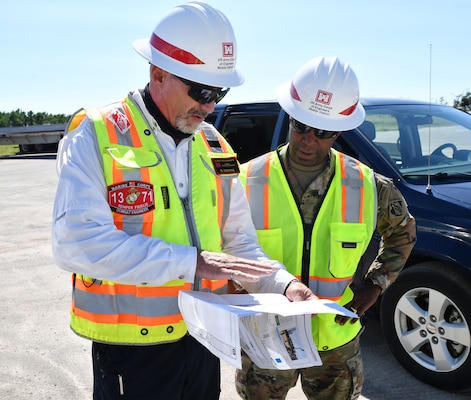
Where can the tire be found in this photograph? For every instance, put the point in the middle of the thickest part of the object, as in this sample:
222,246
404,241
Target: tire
25,148
426,321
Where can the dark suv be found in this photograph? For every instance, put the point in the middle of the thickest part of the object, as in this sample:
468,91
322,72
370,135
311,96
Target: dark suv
426,149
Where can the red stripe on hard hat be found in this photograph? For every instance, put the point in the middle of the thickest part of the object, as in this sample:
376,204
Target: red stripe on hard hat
349,110
294,93
173,52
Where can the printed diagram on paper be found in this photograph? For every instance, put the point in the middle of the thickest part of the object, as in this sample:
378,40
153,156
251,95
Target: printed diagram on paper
274,332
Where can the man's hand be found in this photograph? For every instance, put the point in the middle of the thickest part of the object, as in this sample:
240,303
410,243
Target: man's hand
365,295
298,291
211,265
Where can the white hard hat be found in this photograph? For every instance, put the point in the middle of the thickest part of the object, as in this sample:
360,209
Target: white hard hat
196,42
324,94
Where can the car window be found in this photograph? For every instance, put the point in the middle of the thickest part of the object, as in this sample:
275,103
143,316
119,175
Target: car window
383,130
249,135
421,139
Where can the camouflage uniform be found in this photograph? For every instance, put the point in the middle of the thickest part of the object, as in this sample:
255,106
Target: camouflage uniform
341,375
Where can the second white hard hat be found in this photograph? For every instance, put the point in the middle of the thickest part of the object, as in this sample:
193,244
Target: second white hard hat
324,94
194,41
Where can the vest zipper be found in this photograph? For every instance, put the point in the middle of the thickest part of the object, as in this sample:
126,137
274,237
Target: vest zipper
306,257
190,219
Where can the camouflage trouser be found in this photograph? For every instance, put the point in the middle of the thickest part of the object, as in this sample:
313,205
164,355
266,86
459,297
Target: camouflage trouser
340,377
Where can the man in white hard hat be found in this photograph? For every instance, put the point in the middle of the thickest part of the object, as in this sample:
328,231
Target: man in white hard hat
149,203
316,210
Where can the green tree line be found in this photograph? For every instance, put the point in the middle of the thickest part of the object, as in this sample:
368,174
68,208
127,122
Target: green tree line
22,118
463,102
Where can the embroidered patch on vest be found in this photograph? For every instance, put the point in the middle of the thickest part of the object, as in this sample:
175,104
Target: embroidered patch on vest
131,197
120,121
225,166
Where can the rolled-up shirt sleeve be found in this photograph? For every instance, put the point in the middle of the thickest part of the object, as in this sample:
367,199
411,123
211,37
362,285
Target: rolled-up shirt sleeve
85,239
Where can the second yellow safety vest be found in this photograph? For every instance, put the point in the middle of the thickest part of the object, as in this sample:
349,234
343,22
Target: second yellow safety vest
327,257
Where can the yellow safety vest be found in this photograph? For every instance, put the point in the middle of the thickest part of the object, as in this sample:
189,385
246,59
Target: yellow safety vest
143,199
339,237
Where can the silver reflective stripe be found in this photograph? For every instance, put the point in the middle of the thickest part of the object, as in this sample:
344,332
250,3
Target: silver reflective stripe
132,224
126,304
353,184
256,181
215,146
331,290
373,181
212,139
123,139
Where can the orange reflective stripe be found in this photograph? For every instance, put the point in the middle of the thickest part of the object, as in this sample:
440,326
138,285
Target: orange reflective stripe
265,193
113,136
362,190
136,140
330,279
220,204
76,120
343,175
125,318
139,291
212,284
149,216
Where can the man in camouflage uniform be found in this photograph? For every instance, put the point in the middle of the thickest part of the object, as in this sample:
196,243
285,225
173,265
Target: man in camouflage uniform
310,168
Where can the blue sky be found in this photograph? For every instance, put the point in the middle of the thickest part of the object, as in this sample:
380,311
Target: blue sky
60,55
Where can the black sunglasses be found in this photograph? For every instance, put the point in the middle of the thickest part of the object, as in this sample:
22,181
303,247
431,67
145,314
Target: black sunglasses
204,94
303,128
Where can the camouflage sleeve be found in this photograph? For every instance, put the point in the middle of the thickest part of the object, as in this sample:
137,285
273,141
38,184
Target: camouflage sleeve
397,228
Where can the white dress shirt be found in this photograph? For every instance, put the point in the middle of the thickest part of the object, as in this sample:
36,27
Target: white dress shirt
86,241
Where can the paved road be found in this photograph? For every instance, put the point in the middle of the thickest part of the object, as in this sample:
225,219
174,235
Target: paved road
42,359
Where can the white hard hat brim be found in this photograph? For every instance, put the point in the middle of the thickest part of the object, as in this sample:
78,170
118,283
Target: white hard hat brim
144,49
314,119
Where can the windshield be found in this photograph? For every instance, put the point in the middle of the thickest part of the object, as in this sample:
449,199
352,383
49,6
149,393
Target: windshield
421,139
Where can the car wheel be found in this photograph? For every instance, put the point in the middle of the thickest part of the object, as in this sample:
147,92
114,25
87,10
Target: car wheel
25,148
426,321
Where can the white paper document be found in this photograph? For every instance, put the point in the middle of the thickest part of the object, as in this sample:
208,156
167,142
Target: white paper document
274,332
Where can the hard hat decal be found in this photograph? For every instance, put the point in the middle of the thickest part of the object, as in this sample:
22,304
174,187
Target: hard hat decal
293,92
173,51
228,49
323,97
349,110
227,61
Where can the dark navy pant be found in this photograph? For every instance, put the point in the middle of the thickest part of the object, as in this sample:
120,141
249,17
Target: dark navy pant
184,370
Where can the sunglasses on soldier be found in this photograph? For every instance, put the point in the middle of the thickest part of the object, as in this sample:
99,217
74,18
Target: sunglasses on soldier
204,94
303,129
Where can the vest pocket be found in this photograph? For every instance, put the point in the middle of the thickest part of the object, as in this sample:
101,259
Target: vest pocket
347,243
134,157
271,241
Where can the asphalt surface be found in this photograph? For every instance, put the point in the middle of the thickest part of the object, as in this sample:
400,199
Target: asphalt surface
40,356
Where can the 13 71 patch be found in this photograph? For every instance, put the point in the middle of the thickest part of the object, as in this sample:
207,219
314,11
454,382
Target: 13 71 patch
131,197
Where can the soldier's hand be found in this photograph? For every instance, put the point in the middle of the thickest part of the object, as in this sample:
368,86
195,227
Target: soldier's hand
365,295
211,265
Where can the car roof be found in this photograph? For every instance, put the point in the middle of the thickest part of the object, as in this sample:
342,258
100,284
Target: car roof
366,101
379,101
